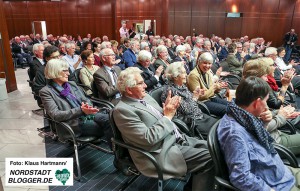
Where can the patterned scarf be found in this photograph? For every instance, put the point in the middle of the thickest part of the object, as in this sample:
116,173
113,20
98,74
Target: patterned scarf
253,125
65,92
272,83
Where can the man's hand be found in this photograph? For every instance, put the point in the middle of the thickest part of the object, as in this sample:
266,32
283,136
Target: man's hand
87,109
159,71
171,105
286,111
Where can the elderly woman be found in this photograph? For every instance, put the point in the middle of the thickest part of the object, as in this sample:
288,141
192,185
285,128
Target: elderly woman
162,57
180,51
235,66
259,68
88,70
202,76
65,102
188,109
150,75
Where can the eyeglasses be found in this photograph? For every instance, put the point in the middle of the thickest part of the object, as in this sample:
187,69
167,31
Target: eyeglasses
109,55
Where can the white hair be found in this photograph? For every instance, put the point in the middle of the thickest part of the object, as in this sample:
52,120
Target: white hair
160,49
205,57
36,47
69,44
174,70
54,68
144,55
127,78
104,44
270,50
144,45
180,48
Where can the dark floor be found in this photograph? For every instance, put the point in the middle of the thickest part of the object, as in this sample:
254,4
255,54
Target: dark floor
99,172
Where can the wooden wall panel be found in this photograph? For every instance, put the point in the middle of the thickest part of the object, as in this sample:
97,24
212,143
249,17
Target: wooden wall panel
266,18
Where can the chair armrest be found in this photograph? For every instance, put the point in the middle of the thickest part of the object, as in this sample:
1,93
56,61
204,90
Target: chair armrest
203,107
225,183
66,127
287,154
101,103
182,126
145,153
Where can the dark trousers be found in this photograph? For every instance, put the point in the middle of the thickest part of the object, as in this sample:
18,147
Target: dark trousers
99,126
198,157
20,56
217,106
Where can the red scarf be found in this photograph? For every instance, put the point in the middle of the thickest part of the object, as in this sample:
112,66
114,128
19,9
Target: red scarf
272,83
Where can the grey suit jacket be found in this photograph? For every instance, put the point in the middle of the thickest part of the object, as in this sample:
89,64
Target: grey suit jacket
59,109
140,127
106,89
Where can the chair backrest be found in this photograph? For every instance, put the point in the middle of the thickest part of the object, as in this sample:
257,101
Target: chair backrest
224,66
233,79
121,153
156,94
216,153
76,74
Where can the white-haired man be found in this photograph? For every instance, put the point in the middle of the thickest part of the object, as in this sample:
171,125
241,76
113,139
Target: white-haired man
105,78
72,59
129,55
148,126
38,61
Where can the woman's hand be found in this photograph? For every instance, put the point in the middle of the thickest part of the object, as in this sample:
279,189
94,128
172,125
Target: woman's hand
171,105
197,92
266,116
87,109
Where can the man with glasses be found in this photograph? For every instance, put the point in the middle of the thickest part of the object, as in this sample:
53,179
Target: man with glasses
144,124
105,78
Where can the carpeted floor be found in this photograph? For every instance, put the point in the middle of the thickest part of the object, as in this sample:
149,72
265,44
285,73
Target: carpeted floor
99,172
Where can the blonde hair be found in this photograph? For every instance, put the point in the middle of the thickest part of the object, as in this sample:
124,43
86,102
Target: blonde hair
54,67
255,68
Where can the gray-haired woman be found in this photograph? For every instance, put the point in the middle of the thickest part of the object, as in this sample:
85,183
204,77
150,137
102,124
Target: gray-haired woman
188,109
64,101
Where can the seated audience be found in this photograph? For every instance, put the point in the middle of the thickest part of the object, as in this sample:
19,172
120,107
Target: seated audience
96,50
37,62
105,78
260,68
50,52
202,76
18,48
129,55
235,66
162,57
252,161
188,109
150,75
180,51
65,102
71,58
88,70
144,124
282,64
119,59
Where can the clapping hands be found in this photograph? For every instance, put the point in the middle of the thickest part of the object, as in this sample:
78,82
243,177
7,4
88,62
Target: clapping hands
87,109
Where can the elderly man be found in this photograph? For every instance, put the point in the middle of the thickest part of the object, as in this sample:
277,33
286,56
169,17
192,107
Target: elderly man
222,51
72,59
38,62
252,161
168,44
18,50
150,75
143,123
162,57
198,47
105,78
129,55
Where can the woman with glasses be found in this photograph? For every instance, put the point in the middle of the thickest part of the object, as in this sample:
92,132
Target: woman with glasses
64,101
202,76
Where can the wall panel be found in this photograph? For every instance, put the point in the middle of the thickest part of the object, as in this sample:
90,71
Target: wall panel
266,18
